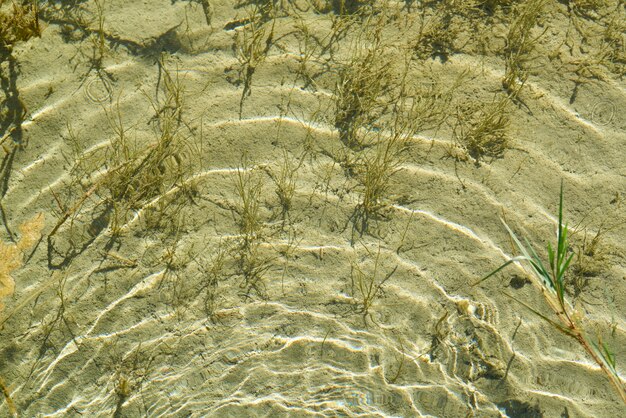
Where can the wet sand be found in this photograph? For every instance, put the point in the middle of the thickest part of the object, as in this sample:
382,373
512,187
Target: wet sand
192,288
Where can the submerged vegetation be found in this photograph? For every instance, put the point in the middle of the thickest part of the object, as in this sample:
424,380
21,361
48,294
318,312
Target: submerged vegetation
135,176
551,278
367,286
18,23
179,222
481,130
520,44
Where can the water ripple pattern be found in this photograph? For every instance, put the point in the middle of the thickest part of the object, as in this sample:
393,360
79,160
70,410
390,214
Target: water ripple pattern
218,241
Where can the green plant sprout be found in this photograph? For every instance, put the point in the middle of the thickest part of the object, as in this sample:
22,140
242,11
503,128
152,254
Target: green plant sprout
481,130
252,46
18,26
366,288
552,278
520,45
251,263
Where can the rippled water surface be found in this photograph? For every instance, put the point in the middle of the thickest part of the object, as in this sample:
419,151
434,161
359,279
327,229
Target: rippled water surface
227,231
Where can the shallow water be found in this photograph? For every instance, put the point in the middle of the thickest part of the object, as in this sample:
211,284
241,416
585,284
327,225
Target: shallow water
190,289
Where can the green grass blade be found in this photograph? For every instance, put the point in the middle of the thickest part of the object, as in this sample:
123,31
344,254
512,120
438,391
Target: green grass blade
560,210
562,240
552,259
566,265
513,260
520,246
532,257
555,324
539,269
607,355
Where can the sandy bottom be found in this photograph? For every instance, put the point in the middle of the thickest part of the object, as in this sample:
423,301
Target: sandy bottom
191,288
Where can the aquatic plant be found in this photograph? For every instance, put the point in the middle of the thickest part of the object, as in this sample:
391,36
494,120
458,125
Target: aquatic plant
136,174
367,287
375,171
519,46
551,278
252,44
285,176
361,84
481,129
251,263
20,25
